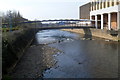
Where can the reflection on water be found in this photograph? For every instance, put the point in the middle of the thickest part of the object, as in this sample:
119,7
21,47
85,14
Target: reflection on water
80,58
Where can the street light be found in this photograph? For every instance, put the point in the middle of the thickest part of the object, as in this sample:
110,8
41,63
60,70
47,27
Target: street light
0,19
10,21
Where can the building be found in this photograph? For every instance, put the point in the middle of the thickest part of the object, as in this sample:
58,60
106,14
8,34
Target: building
105,14
85,11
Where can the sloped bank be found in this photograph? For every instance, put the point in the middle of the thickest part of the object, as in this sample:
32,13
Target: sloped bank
97,33
13,45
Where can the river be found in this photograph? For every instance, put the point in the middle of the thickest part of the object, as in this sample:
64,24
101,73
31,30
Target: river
80,56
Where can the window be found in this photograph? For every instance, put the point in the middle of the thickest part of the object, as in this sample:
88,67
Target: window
108,4
112,3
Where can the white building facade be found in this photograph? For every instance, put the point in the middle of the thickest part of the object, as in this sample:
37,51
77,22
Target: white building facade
105,14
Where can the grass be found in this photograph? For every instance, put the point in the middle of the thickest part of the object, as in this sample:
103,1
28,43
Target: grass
8,29
7,77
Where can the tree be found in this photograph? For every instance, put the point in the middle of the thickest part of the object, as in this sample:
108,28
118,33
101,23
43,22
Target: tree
14,17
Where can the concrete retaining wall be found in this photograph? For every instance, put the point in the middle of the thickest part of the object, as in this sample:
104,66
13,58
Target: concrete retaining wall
95,32
13,46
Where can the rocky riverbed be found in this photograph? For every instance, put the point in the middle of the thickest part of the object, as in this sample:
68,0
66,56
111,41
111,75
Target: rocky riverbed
36,59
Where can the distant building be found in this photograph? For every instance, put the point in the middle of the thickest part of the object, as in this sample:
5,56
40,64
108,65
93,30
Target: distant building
85,11
105,14
85,14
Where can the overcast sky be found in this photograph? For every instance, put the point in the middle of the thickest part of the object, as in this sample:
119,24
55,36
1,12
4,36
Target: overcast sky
44,9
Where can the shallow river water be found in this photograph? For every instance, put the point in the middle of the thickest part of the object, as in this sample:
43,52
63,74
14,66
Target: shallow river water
80,56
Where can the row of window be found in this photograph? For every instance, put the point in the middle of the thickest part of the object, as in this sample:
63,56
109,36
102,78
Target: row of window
99,5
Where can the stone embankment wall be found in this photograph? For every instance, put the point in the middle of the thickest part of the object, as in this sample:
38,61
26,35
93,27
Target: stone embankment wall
97,33
13,46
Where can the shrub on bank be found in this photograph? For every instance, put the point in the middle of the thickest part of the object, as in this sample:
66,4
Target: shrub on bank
8,29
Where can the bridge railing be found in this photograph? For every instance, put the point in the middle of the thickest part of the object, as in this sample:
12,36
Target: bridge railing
59,23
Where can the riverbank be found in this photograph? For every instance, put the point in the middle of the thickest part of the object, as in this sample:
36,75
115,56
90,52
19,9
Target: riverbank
36,59
13,46
96,32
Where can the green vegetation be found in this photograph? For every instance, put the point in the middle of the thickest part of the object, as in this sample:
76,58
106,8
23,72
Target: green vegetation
8,29
12,18
7,77
14,40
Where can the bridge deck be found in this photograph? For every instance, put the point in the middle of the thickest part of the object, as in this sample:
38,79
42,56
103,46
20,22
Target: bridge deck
71,27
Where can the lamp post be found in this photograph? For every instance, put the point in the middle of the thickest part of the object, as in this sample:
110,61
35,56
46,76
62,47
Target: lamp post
0,22
10,21
35,26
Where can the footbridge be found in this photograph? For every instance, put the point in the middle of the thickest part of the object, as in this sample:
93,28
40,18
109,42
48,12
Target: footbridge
59,20
61,24
65,27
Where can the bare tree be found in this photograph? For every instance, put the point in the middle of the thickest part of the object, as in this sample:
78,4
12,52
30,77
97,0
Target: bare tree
14,17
